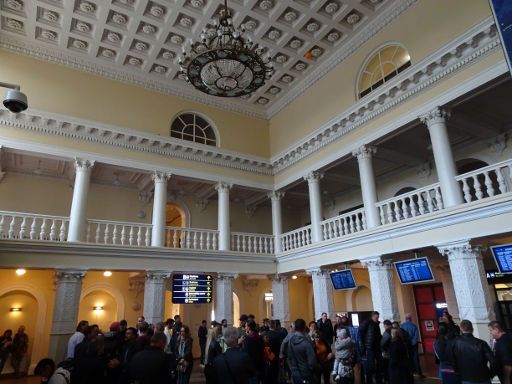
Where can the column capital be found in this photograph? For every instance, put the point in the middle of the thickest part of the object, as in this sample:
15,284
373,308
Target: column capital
275,195
437,115
316,272
223,186
364,152
157,275
228,276
72,276
279,278
313,176
375,263
160,177
460,250
83,164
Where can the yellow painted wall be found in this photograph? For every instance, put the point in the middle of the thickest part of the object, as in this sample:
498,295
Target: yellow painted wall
300,298
103,317
250,292
423,28
62,90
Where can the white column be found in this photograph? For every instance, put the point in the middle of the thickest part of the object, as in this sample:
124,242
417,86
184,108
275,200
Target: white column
277,222
315,204
470,284
443,156
159,208
322,292
364,156
65,310
78,214
280,302
223,216
224,297
154,295
449,293
383,288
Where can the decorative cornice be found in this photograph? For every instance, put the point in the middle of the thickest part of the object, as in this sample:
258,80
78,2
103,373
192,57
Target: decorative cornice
142,80
454,57
47,123
356,42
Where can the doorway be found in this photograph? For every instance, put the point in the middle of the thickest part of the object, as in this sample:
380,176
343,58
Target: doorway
430,303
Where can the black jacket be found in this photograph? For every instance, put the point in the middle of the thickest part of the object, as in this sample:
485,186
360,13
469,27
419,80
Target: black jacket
152,366
233,367
369,336
471,358
325,331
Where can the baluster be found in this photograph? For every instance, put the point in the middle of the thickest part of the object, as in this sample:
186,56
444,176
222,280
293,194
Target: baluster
246,244
167,238
196,239
42,233
351,224
332,229
62,231
288,242
439,198
32,229
131,238
98,231
260,245
183,238
430,204
139,236
404,208
208,240
188,238
214,242
488,184
345,226
390,211
88,236
467,191
382,215
501,181
412,206
175,239
148,236
325,229
233,240
421,202
478,188
106,234
358,222
53,230
201,240
268,245
115,237
2,223
11,227
23,227
123,234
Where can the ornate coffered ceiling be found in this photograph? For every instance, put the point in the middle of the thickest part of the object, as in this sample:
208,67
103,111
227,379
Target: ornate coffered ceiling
138,41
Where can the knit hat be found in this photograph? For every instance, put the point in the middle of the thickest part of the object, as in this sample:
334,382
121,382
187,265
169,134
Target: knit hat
341,332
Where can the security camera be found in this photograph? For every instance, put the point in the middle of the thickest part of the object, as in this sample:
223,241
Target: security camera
14,100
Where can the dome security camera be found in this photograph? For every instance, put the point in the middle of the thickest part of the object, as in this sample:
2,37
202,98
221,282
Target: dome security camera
15,101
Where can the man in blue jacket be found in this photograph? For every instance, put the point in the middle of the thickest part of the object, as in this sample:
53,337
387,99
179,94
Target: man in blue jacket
412,330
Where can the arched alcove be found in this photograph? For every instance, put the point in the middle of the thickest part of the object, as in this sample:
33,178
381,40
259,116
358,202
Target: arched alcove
113,291
104,316
362,299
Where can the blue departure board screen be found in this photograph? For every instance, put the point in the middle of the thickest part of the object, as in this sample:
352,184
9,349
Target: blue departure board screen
343,279
503,257
192,289
414,271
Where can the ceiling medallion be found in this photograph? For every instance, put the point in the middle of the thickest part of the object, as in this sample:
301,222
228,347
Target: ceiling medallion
15,5
227,64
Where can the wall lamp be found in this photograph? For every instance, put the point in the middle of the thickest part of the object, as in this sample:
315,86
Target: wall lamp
98,308
15,309
14,100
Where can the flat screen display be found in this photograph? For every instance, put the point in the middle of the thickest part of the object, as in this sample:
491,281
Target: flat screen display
503,257
192,289
414,271
343,279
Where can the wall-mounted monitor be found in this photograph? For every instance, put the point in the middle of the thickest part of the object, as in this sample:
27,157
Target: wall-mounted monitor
414,271
503,257
190,288
343,279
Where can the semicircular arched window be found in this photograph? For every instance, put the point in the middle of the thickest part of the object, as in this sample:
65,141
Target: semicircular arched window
382,66
191,126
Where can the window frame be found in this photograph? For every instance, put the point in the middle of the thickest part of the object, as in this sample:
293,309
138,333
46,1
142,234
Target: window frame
195,127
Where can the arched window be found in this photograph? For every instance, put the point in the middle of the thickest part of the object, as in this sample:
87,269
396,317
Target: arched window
193,127
381,66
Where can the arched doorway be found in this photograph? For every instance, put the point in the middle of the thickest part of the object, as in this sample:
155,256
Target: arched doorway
175,217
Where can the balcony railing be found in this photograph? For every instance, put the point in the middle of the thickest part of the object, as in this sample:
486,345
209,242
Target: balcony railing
18,225
296,239
252,242
191,238
118,233
343,225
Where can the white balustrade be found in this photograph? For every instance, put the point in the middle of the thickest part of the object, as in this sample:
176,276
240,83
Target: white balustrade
118,233
411,204
296,239
191,238
31,226
486,182
346,224
252,242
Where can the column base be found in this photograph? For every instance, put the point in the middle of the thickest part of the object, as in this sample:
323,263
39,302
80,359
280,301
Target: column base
58,347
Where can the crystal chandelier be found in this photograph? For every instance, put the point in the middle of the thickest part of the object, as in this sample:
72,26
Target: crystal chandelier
225,64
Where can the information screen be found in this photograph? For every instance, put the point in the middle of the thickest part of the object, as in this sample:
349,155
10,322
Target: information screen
343,279
503,257
192,289
414,270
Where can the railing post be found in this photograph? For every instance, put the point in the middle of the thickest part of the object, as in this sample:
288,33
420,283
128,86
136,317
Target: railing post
315,205
159,203
364,156
77,216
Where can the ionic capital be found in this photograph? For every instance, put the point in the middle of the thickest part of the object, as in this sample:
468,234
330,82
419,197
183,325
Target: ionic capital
316,272
82,165
436,116
276,195
160,177
314,177
461,250
278,278
375,263
223,187
226,276
69,276
157,275
364,152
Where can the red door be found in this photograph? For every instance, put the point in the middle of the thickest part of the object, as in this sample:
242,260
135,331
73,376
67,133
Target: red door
428,298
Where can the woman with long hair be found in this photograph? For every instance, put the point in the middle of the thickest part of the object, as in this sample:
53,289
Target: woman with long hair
443,348
213,349
323,353
183,351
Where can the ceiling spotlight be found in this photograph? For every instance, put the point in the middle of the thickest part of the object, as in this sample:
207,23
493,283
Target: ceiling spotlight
21,271
14,100
294,277
107,273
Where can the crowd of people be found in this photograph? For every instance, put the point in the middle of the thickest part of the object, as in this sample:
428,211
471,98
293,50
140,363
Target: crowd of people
270,354
15,347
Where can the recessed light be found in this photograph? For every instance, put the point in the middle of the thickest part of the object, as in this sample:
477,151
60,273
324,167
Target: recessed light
21,271
107,273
